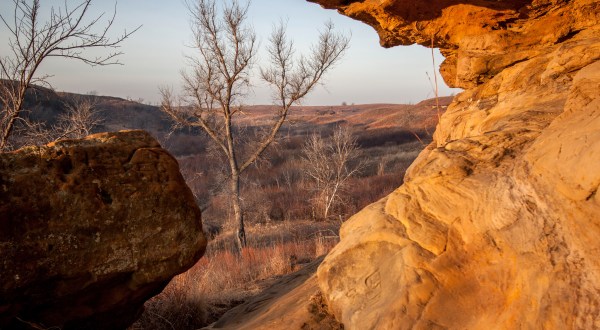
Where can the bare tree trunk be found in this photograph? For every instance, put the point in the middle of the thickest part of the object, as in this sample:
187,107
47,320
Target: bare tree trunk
237,212
12,112
329,200
7,132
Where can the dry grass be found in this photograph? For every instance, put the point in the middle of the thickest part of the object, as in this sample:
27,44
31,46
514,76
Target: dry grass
222,279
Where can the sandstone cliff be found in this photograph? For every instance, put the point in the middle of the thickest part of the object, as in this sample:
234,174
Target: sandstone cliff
497,224
90,229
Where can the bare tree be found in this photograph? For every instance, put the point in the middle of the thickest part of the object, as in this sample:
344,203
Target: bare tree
330,164
219,80
66,33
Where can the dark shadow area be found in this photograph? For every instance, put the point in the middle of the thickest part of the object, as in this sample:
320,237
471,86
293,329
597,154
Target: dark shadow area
413,11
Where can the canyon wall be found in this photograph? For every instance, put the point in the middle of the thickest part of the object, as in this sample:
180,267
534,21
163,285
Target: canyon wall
90,229
497,223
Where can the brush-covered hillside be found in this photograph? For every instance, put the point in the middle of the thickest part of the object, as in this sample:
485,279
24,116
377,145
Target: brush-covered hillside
388,136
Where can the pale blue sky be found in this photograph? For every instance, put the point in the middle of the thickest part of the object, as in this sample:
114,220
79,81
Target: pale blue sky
154,55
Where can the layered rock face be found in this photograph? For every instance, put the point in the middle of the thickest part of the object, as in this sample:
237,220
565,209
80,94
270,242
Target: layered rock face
90,229
497,224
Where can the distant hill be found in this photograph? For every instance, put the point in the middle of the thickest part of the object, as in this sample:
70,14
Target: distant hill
374,124
368,116
45,105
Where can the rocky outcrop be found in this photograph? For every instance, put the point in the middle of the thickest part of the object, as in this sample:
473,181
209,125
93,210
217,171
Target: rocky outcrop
90,229
479,38
496,225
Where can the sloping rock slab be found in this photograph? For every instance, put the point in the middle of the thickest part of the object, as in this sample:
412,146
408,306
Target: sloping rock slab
292,302
90,229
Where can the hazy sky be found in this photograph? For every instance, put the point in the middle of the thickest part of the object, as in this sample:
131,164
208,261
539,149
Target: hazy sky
154,56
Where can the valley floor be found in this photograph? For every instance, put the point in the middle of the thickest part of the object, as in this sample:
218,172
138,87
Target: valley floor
222,279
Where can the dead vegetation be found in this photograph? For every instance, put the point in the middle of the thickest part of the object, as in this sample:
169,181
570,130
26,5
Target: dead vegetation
285,230
222,279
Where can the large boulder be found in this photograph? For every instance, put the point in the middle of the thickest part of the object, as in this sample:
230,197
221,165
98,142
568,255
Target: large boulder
497,224
90,229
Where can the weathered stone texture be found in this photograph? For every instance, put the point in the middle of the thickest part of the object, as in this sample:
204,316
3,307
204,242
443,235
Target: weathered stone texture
497,224
479,38
90,229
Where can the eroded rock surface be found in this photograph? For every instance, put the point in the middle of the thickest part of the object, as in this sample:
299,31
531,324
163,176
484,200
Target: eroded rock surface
90,229
497,224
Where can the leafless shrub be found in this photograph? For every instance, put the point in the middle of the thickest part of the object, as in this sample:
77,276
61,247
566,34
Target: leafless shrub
330,164
81,116
221,280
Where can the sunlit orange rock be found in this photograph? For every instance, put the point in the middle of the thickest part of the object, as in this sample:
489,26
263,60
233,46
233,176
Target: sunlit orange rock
497,224
479,38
